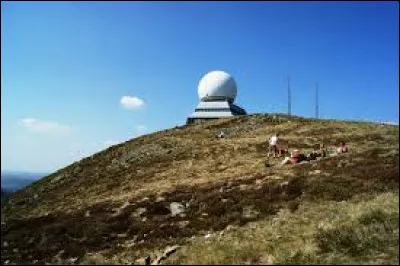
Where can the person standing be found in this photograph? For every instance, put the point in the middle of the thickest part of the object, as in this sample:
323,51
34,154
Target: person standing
273,145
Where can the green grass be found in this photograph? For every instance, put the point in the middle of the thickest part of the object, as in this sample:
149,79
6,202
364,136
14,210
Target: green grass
362,231
371,234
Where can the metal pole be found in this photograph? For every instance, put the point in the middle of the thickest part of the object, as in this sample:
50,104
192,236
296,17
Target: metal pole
316,101
289,97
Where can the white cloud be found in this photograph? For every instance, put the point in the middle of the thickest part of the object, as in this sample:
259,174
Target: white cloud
131,102
44,127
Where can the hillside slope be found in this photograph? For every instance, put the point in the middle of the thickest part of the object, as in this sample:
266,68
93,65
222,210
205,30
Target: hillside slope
115,205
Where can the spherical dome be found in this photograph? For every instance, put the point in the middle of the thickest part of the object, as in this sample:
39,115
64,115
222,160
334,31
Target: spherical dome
217,85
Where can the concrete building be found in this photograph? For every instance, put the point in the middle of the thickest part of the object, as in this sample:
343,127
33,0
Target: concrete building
217,91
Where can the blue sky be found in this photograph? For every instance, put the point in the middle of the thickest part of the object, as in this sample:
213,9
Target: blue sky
66,66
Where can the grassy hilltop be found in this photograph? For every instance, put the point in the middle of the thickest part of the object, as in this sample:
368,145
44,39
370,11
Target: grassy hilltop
115,206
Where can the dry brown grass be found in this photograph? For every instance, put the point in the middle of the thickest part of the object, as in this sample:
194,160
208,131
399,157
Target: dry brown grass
225,181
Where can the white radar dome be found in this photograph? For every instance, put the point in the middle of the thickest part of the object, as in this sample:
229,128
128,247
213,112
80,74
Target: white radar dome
217,85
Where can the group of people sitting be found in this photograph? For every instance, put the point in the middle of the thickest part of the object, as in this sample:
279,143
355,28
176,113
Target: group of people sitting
278,148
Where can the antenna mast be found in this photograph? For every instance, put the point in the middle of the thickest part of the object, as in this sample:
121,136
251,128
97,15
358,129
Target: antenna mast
316,101
289,97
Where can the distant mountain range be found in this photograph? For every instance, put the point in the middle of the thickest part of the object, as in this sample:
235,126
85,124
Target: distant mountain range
12,181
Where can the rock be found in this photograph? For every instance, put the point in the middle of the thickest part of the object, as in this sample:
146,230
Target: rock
72,260
170,250
207,236
167,252
143,261
130,243
159,199
144,199
15,250
284,184
139,212
87,214
315,172
57,258
157,261
176,208
126,204
183,224
229,228
5,244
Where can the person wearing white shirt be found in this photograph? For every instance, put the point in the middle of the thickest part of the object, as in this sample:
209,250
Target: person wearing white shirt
273,144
